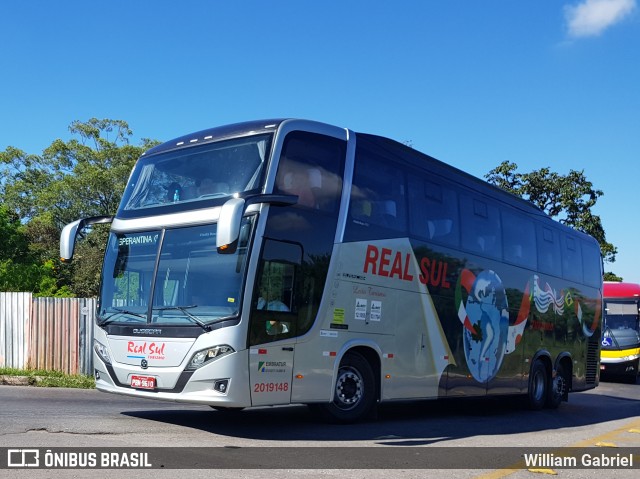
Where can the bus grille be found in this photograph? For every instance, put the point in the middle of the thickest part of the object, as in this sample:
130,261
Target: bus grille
593,356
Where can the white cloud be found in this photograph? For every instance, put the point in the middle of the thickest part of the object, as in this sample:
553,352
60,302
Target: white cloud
592,17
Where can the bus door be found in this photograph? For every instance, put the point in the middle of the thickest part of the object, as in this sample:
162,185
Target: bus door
292,272
273,327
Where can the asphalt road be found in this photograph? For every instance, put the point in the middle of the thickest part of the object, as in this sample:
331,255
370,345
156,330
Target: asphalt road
30,417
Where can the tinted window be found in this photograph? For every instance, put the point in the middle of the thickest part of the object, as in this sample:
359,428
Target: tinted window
480,227
592,264
296,257
309,168
433,211
277,301
571,259
519,240
549,251
377,207
209,173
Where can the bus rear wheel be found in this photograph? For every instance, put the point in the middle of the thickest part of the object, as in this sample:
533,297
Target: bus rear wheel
538,386
558,388
354,391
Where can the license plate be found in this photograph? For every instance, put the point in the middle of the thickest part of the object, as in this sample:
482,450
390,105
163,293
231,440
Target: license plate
143,382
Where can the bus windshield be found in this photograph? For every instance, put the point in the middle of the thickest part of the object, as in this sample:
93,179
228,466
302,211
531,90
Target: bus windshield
621,322
190,282
199,173
621,314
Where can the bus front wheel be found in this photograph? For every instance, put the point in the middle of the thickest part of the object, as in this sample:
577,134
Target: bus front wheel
354,391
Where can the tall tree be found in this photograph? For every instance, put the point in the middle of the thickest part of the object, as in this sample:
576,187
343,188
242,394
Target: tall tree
20,269
84,176
568,198
14,244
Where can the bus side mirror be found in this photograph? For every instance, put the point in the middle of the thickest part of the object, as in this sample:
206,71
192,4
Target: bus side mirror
229,225
70,232
231,217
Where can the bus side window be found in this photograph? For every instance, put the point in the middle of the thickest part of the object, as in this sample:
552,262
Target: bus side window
310,168
378,197
571,259
274,311
433,211
294,178
481,231
519,240
548,251
592,264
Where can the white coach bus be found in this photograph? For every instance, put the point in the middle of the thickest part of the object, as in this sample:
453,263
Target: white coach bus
290,261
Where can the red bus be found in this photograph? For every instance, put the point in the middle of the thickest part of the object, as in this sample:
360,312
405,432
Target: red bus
620,352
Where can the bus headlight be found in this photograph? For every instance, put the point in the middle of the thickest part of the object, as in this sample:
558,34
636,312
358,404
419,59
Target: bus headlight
201,358
102,351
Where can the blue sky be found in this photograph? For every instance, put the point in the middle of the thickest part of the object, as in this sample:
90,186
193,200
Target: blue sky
537,82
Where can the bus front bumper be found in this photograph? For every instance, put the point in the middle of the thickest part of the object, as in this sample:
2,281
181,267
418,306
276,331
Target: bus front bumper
223,383
622,362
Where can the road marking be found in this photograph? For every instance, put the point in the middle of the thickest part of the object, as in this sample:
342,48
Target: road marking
603,440
606,444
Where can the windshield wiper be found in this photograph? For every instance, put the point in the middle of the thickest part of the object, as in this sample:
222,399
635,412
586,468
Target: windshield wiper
183,309
611,336
120,311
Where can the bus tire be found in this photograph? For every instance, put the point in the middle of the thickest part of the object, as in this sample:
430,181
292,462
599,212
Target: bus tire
538,386
557,388
354,390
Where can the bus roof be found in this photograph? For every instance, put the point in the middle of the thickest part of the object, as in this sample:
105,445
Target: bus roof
410,155
400,151
217,134
621,290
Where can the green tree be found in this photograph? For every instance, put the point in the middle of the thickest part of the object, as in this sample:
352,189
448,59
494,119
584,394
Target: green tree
81,177
568,198
84,176
20,268
608,276
14,244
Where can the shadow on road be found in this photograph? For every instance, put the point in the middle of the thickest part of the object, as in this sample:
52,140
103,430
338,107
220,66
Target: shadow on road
407,423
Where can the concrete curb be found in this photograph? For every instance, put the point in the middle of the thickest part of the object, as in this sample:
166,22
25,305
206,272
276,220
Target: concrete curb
19,380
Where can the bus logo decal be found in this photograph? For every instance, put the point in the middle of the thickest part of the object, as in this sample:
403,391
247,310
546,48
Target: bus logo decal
272,366
485,319
388,263
151,350
484,316
147,331
547,297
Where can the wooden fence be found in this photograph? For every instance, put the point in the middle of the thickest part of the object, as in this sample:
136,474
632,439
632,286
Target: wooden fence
46,333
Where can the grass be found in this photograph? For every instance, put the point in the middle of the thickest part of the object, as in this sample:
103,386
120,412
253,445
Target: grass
55,379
